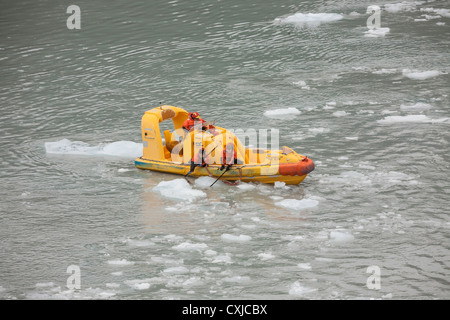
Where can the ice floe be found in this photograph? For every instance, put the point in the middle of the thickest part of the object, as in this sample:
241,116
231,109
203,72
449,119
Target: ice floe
299,290
295,204
420,75
340,236
377,32
309,19
402,6
178,189
413,118
233,238
419,106
190,247
128,149
282,112
120,262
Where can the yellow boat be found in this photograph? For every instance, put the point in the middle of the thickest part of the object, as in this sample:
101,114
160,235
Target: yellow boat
175,153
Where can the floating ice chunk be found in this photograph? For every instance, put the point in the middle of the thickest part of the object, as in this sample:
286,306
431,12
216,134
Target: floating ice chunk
282,112
414,75
210,252
442,12
298,290
279,185
223,258
340,114
419,106
385,71
120,262
192,282
395,177
245,186
187,246
401,6
178,189
233,238
354,14
237,279
377,32
301,84
305,266
123,149
176,270
309,19
128,149
295,204
140,285
341,236
44,284
318,130
205,182
139,243
266,256
419,118
330,105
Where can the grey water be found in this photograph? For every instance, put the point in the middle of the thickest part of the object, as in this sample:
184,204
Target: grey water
371,108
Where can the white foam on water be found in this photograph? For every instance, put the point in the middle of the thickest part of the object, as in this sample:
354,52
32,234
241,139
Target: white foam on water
233,238
178,189
295,204
419,106
282,112
309,19
377,32
127,149
299,290
420,75
413,118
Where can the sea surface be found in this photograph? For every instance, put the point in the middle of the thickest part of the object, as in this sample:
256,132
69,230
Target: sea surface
370,107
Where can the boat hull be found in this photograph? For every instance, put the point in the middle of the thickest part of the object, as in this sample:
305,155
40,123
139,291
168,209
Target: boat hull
245,173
